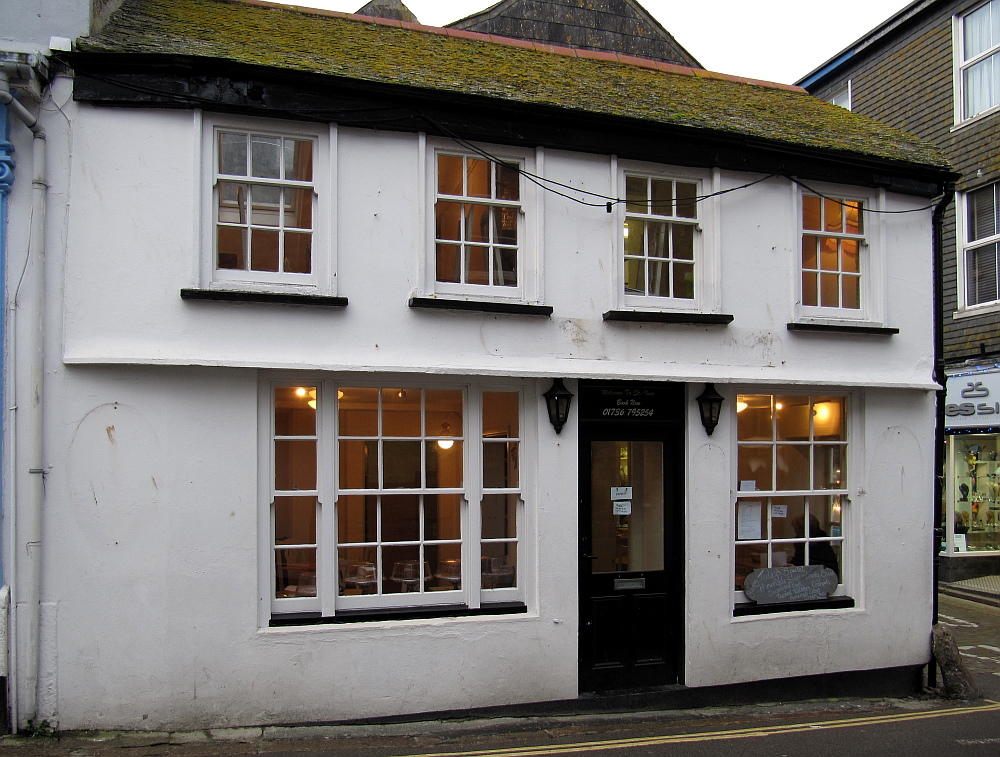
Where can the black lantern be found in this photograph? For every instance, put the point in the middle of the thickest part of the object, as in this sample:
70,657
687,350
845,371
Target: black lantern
557,400
710,406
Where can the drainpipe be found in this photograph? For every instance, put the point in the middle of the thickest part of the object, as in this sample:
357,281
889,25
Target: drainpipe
25,577
939,377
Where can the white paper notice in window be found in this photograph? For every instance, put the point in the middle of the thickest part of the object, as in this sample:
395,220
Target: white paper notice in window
748,521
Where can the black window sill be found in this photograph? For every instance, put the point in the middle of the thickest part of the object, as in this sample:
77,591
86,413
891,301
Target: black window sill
838,328
646,316
480,306
396,613
752,608
279,298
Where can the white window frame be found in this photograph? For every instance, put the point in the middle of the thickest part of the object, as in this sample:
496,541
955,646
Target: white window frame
842,96
872,243
706,247
321,280
965,247
328,602
850,580
529,285
963,65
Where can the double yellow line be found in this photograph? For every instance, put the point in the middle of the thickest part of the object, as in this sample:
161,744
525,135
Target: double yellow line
739,733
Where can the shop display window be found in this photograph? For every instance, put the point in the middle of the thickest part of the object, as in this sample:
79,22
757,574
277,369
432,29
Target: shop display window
974,493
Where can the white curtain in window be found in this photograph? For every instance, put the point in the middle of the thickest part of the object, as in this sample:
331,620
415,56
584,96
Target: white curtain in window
979,31
980,86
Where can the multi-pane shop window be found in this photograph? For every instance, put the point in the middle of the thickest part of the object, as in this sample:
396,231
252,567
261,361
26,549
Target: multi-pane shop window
980,248
264,203
792,482
661,217
477,216
832,245
424,507
979,59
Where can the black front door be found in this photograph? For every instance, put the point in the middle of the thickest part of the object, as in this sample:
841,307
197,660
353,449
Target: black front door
631,580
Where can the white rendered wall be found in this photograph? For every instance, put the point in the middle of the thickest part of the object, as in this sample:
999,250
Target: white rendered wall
151,530
28,25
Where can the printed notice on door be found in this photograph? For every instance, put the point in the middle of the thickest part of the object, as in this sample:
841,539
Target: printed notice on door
748,521
622,506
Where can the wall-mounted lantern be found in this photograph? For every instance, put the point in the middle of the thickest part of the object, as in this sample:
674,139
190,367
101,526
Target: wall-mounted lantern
710,407
558,399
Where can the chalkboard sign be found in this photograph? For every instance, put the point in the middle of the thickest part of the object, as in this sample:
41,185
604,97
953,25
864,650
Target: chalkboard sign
631,402
797,584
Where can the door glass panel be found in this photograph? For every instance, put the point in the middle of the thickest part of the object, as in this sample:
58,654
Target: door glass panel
626,506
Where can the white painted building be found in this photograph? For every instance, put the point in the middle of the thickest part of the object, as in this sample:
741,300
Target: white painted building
304,292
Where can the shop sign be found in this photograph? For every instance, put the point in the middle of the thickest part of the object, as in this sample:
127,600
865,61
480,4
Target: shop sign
624,401
973,401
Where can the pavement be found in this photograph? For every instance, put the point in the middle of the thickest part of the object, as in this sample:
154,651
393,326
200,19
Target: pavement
970,607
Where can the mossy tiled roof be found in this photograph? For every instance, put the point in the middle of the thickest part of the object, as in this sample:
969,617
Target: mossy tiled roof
396,53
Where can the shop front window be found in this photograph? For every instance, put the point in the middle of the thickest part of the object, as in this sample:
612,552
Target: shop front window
974,493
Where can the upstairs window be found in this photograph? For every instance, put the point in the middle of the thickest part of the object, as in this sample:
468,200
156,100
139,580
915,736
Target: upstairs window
979,59
832,245
660,238
980,247
478,230
265,225
842,96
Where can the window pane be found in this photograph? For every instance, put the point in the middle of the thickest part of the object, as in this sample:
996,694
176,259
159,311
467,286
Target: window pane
500,414
662,197
444,465
263,250
687,207
508,182
265,203
442,516
977,32
357,518
500,465
793,418
828,467
753,417
755,465
295,520
265,157
233,202
982,275
477,266
298,160
446,562
401,569
358,464
401,465
793,467
810,256
357,411
505,273
849,256
294,465
478,177
295,572
448,266
499,516
635,194
448,218
980,88
400,517
444,412
499,565
635,275
810,284
832,215
830,290
232,153
659,279
829,419
298,252
295,411
232,243
358,570
298,208
401,412
450,175
477,223
982,213
811,219
852,292
659,240
683,241
829,254
505,225
854,216
634,230
684,281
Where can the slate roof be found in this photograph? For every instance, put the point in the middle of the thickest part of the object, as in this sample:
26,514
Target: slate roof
387,52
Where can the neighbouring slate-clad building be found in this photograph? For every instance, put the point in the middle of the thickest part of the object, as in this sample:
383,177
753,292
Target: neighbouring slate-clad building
363,369
932,70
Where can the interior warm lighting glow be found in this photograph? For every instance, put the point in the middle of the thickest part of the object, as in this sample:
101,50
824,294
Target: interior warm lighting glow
300,392
626,231
312,404
778,406
741,406
340,394
445,443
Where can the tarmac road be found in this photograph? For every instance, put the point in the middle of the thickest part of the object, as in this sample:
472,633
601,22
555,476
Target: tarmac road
922,726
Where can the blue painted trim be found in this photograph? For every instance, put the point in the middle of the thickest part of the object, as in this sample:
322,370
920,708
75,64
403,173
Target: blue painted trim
828,68
6,182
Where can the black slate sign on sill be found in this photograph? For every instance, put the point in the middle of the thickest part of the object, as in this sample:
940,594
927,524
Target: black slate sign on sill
794,584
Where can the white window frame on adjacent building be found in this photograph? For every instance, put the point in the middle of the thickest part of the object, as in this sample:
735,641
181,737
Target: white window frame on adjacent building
481,560
862,283
979,249
672,246
977,61
308,198
512,272
841,96
768,500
